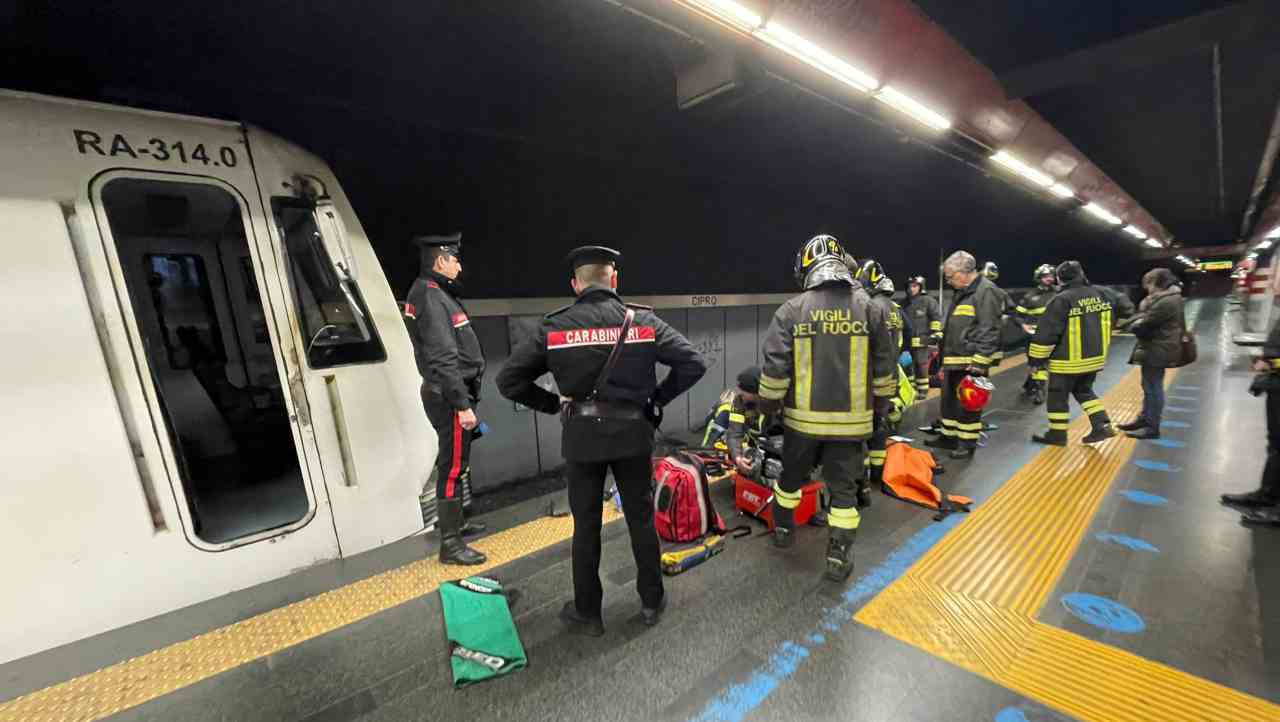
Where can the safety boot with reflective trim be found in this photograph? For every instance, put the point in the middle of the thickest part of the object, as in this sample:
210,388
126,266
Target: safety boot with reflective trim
1051,438
1099,434
784,527
840,554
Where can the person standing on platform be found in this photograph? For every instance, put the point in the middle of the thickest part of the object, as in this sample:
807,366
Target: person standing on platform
1158,327
829,364
1029,311
872,277
992,273
970,339
451,363
1072,341
1262,505
926,324
610,403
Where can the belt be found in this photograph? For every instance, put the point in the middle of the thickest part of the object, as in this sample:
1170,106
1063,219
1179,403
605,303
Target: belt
606,410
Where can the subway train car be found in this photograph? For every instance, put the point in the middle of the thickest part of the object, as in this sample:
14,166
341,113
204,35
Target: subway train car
207,382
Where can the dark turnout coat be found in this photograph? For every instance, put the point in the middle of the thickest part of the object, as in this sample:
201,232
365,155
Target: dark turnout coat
1158,325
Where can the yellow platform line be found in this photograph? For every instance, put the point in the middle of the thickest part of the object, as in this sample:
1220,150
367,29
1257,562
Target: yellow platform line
973,598
135,681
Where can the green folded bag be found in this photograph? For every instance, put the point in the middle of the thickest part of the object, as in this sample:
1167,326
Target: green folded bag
482,637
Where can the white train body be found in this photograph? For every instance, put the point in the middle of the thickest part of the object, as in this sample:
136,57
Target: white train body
206,380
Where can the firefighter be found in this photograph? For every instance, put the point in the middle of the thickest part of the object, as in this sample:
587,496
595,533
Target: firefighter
608,417
926,324
829,364
1029,311
736,420
1072,340
992,273
970,338
451,363
871,276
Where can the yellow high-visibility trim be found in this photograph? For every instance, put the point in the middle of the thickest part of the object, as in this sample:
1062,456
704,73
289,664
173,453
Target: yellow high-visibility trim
948,431
917,343
935,325
878,454
772,388
975,426
983,360
1082,366
828,430
786,499
740,418
803,354
830,417
1031,311
1059,426
1059,415
1040,375
1038,350
843,518
963,311
1275,363
968,435
957,360
859,360
1106,330
1075,339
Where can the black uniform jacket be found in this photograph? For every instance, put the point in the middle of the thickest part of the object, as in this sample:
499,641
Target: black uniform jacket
573,343
971,336
444,343
926,319
1074,333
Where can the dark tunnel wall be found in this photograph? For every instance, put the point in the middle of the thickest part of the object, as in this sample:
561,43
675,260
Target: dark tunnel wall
535,126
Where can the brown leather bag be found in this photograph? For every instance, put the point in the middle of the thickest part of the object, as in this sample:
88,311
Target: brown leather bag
1189,350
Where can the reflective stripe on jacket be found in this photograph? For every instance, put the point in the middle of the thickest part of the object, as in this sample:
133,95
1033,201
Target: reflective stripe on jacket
1074,333
971,335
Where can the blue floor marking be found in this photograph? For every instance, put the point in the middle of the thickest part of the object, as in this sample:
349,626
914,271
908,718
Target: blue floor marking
1011,714
1175,424
1143,497
1180,387
1127,541
1103,613
1179,409
1183,398
740,699
1169,443
1150,465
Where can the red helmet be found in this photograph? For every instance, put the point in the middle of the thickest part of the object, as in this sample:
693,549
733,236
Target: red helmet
974,392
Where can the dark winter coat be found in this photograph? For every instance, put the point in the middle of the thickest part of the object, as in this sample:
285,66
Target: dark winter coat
1158,324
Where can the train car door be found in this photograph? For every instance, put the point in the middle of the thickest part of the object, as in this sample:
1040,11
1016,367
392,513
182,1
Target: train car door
214,351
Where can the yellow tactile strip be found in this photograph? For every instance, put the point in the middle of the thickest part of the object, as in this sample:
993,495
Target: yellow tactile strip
138,680
972,599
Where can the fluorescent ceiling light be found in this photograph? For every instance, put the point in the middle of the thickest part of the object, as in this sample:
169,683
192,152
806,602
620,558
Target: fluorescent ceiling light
731,11
1154,243
1062,191
1016,165
912,107
1135,232
1264,245
1275,232
1102,213
805,51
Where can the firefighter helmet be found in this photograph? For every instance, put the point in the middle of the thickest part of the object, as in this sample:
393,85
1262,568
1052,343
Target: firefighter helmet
1069,271
1043,270
872,275
974,392
818,252
919,280
991,270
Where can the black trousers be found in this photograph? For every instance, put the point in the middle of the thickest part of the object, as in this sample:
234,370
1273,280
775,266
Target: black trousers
1271,472
586,490
876,453
962,426
842,467
1063,386
921,358
453,453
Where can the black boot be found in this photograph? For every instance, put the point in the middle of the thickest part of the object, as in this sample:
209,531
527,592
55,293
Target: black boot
472,528
1104,432
1137,424
1038,395
840,554
784,527
452,549
962,452
864,491
1051,438
580,623
942,442
1267,516
1253,499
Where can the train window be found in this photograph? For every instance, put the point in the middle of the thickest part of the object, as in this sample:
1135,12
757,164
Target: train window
336,326
183,299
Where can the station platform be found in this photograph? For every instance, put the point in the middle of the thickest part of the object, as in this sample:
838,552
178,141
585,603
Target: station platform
1102,583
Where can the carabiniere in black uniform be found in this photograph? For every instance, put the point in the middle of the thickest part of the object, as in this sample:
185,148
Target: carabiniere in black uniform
451,364
609,430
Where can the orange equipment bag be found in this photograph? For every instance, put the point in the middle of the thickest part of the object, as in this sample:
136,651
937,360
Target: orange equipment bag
908,475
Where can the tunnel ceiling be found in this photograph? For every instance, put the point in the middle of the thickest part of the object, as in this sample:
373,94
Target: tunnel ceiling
545,88
1132,85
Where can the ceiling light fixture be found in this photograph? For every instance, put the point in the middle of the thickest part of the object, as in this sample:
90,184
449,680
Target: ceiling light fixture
801,49
1275,232
1102,213
1016,165
730,11
1154,243
1062,191
912,107
1263,246
1135,232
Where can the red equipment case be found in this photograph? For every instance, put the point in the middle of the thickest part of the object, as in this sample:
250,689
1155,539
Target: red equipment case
752,497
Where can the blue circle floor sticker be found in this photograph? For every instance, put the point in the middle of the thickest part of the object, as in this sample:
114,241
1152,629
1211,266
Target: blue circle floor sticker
1103,613
1133,543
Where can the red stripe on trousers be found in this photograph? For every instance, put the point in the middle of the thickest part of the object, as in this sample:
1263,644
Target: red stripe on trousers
457,457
